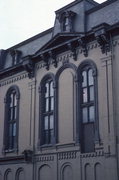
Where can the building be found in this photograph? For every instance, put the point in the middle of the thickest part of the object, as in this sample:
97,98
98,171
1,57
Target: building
59,102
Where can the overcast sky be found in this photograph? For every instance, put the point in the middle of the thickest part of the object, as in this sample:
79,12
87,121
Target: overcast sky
22,19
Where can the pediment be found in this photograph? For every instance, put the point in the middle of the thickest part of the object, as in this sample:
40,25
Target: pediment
57,42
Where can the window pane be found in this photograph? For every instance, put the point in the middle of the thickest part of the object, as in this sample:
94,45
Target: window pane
46,89
46,104
10,129
15,100
91,113
51,89
52,103
11,100
11,114
91,93
15,113
90,77
51,122
85,95
84,81
14,129
46,122
85,115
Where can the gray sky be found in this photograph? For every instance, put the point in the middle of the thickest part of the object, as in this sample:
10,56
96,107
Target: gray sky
22,19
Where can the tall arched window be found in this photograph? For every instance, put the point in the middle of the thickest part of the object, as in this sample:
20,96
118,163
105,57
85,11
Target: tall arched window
87,90
47,120
88,115
48,117
11,119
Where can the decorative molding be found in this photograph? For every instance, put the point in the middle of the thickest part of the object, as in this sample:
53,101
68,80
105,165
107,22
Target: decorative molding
93,154
13,79
45,158
67,155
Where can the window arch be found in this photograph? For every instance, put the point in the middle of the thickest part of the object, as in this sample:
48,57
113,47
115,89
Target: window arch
11,119
88,113
47,114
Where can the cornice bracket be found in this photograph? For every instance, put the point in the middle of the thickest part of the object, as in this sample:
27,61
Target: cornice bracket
73,50
102,37
82,43
45,59
104,43
53,57
28,65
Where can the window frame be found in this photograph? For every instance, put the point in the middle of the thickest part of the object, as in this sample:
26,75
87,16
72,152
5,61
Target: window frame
7,147
87,64
48,78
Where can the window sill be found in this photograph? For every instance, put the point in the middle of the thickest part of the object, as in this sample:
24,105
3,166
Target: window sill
10,151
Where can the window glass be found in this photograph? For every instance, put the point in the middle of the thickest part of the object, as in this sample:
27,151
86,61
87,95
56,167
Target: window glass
10,129
90,77
11,100
47,105
84,79
91,113
52,103
51,89
91,93
15,113
46,123
15,100
51,122
11,114
14,129
85,115
48,114
46,90
85,95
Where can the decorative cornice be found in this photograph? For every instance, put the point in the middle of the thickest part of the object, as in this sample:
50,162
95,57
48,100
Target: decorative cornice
92,154
67,155
13,79
44,158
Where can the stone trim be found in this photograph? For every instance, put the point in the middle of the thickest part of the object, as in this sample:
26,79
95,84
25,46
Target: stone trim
13,79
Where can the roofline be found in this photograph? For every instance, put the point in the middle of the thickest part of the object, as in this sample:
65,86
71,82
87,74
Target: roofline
73,3
31,39
100,6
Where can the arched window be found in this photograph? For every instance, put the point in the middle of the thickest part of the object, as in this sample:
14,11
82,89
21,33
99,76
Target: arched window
88,115
48,117
47,122
11,119
87,90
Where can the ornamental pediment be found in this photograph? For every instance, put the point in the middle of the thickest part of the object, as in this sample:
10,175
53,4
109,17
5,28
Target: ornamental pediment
58,42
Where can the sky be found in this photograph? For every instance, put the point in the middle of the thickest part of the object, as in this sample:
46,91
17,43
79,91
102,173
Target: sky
22,19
